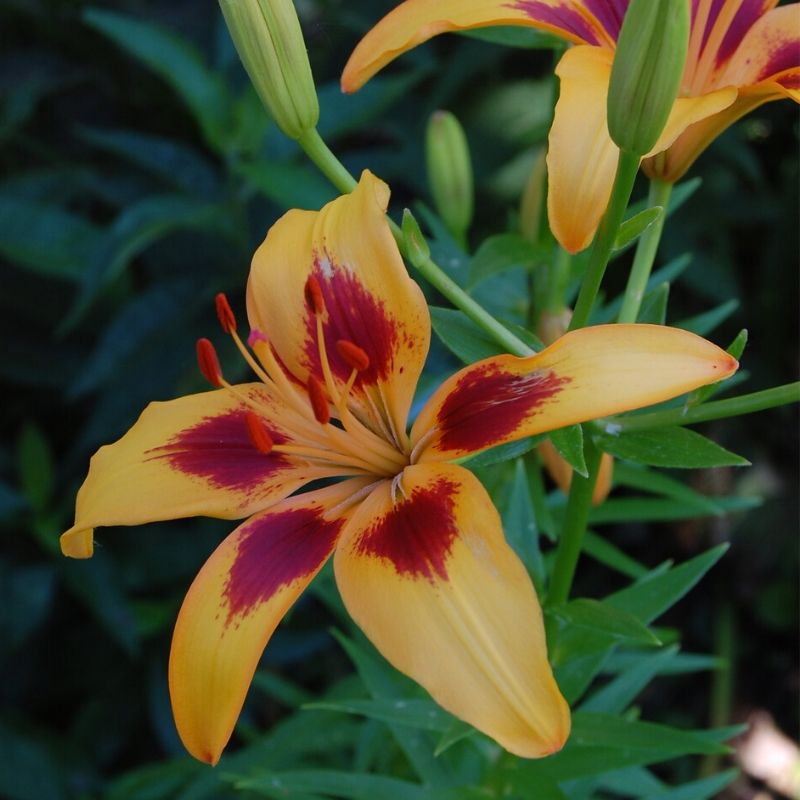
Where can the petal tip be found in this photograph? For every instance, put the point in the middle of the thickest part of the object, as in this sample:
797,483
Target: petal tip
77,542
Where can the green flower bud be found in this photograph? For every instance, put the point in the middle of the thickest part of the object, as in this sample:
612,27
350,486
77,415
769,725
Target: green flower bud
270,43
449,171
647,70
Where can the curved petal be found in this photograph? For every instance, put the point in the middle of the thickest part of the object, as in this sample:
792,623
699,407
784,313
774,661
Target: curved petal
769,53
424,570
415,21
235,603
581,158
561,472
587,373
183,458
369,298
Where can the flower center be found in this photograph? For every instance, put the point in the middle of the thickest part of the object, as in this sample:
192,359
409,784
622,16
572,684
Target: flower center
324,432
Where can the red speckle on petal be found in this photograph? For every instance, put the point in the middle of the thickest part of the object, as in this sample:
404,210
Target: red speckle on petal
488,404
219,450
356,315
276,549
417,533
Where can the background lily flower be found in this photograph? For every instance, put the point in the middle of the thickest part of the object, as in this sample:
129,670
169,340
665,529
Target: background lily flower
340,336
742,53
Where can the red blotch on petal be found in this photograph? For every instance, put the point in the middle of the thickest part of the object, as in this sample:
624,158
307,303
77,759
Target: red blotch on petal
417,534
488,404
609,13
744,19
274,551
219,450
356,315
784,57
563,17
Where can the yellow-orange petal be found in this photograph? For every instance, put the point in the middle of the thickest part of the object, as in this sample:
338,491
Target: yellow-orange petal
415,21
587,373
368,298
236,601
424,570
561,472
182,458
581,158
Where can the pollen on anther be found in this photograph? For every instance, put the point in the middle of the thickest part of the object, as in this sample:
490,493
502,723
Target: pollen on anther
313,293
319,400
225,314
208,362
352,355
258,433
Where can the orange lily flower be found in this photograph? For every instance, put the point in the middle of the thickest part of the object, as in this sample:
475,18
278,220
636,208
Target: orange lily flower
742,53
340,336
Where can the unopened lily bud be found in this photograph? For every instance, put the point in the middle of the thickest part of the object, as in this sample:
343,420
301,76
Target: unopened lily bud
449,171
646,74
533,199
270,43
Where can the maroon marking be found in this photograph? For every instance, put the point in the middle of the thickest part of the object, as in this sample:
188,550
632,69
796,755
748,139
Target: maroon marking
609,14
713,13
417,534
563,17
743,20
274,550
219,450
783,57
791,81
488,404
356,315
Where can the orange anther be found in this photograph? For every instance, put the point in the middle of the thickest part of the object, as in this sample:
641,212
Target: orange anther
352,355
314,298
319,400
258,433
226,317
208,362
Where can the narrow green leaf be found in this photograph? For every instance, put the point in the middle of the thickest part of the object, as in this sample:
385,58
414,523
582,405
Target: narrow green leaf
504,452
499,253
457,731
569,443
176,61
462,336
281,689
698,790
669,447
35,466
633,227
413,713
46,239
343,784
703,324
648,480
680,664
653,595
653,310
519,524
630,509
600,549
615,696
736,348
611,622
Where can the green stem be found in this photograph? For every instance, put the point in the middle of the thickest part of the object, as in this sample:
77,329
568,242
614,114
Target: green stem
627,167
330,166
335,171
576,516
719,409
645,253
559,281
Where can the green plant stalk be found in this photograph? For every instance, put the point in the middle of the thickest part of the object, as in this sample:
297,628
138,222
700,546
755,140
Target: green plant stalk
645,253
627,167
719,409
576,516
558,281
330,166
